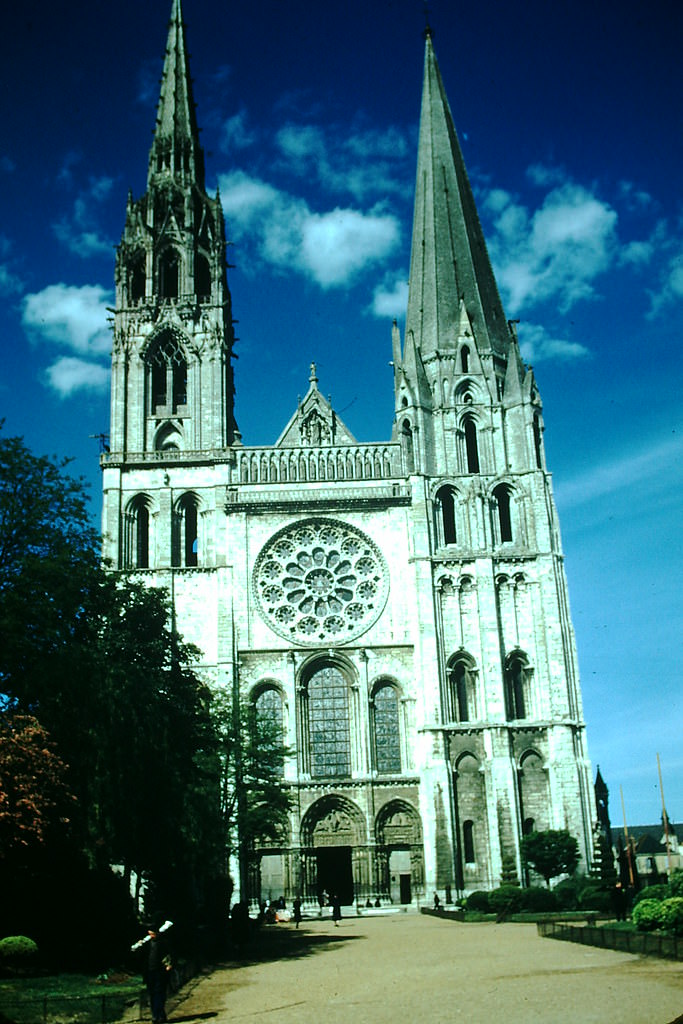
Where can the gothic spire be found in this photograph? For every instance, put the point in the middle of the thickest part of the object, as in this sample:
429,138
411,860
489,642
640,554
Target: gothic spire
449,260
175,150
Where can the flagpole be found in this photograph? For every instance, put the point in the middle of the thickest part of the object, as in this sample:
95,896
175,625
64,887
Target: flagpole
665,819
628,840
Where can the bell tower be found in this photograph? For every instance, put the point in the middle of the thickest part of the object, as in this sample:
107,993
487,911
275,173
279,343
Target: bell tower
172,380
464,400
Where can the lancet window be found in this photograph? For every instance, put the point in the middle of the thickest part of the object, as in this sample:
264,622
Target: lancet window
167,375
268,721
387,739
516,677
185,532
328,723
169,274
461,689
503,506
444,505
137,540
471,446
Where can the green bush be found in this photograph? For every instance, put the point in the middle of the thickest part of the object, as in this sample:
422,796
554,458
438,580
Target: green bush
676,883
648,915
672,915
536,898
594,896
505,899
478,900
652,892
567,894
17,951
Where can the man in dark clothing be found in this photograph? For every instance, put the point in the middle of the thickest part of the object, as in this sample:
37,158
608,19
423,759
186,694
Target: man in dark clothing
156,975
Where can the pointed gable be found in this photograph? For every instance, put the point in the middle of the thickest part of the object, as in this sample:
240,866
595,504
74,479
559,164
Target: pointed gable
315,422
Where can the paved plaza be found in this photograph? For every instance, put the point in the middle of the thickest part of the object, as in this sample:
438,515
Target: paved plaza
411,968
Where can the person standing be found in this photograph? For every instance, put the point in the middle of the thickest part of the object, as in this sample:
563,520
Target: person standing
156,973
296,908
336,910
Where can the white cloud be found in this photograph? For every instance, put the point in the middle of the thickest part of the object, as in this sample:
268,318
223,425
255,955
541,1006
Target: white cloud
70,316
329,248
237,133
637,254
337,245
78,230
634,197
537,345
670,288
361,162
390,299
69,374
556,252
653,462
544,176
9,281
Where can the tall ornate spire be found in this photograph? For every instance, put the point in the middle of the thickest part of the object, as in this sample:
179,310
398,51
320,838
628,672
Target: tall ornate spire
449,260
175,150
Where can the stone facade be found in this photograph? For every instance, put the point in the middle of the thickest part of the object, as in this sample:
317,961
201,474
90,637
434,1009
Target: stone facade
399,609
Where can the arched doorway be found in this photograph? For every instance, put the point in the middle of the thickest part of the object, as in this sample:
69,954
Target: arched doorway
400,854
332,832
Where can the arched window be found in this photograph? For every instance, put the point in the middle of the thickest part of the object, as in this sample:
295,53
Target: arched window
471,448
329,733
538,441
169,274
461,679
468,841
137,277
202,277
185,551
387,738
465,359
503,507
139,535
408,448
516,679
268,731
445,515
167,375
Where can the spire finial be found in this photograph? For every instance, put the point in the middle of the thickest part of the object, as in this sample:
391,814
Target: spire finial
428,33
313,379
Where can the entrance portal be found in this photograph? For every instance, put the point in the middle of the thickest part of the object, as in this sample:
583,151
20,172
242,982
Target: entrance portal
335,874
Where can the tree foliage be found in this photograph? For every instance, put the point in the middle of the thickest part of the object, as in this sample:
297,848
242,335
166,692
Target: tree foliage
254,799
34,796
92,658
550,853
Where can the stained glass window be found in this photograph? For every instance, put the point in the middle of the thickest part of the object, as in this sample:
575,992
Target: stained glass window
387,740
268,709
328,723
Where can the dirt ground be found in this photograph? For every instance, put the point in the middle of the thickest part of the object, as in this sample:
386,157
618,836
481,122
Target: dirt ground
410,968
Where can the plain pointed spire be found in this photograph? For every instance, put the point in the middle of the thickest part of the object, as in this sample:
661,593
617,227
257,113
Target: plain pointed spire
449,260
176,150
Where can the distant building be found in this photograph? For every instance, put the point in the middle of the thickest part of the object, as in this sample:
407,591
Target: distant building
649,845
398,609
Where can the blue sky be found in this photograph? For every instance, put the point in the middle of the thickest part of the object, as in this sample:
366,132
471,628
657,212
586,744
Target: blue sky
570,121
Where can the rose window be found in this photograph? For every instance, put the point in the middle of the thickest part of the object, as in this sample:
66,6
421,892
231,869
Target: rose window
321,581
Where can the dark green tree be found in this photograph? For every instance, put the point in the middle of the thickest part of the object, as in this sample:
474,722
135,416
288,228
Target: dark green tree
93,656
550,853
254,796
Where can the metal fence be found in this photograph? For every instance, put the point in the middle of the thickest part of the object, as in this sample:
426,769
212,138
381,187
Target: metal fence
623,940
102,1008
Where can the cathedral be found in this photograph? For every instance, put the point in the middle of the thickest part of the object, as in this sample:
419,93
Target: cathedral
398,610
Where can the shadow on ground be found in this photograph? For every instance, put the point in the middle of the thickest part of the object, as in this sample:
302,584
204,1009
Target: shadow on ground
277,942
